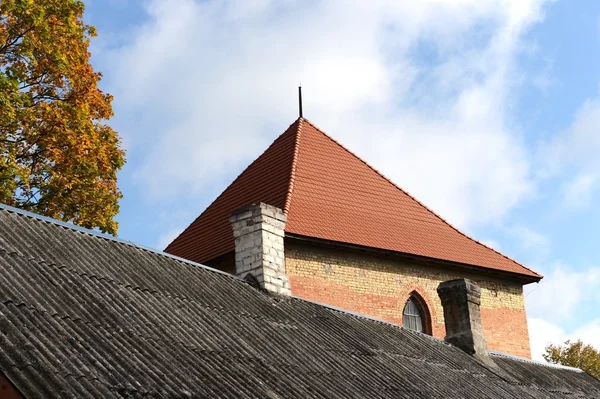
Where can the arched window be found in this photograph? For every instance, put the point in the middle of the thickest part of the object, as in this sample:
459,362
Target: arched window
415,315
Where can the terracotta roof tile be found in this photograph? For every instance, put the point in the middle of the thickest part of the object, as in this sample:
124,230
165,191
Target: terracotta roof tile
329,193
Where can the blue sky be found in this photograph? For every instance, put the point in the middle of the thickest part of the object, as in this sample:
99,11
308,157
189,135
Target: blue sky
486,110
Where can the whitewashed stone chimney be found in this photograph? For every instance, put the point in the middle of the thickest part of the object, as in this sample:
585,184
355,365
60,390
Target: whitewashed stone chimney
258,230
461,300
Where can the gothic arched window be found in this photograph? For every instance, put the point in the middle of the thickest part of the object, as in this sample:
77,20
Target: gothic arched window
415,315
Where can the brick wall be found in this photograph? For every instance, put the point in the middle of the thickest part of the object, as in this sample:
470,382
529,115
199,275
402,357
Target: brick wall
378,286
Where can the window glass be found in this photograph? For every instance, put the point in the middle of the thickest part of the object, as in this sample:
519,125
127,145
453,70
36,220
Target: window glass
412,316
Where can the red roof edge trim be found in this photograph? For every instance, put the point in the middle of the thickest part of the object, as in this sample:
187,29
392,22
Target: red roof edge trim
288,198
416,200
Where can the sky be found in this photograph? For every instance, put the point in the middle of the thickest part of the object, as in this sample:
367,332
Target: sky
485,110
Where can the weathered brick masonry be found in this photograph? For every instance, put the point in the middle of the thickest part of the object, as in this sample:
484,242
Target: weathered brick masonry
379,286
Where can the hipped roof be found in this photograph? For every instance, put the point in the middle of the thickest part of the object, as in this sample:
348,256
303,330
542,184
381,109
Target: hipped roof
329,193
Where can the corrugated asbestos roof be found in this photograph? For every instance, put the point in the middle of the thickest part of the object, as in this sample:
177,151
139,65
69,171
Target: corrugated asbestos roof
329,193
85,316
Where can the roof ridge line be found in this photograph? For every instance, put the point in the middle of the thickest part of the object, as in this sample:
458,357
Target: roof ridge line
371,318
416,200
533,361
229,185
121,241
288,198
109,237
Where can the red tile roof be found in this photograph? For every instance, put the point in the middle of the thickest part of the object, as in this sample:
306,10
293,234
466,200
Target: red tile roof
329,193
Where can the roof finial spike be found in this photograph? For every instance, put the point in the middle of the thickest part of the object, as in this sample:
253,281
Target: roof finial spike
300,100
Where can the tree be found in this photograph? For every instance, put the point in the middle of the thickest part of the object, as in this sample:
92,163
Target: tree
58,157
575,354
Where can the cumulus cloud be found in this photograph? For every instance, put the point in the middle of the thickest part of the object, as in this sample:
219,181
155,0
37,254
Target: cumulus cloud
543,333
419,89
565,297
573,155
492,244
581,142
563,292
578,192
166,238
535,243
564,304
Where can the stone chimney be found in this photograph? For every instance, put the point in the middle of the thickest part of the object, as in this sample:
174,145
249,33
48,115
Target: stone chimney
258,230
461,299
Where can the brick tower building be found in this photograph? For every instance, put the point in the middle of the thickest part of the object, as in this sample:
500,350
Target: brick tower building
310,218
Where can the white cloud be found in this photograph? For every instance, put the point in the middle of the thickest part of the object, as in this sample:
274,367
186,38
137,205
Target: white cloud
578,193
530,240
572,156
578,145
542,333
589,333
564,297
492,244
214,83
563,292
166,238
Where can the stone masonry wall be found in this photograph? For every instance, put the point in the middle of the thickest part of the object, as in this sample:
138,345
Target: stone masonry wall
379,286
258,230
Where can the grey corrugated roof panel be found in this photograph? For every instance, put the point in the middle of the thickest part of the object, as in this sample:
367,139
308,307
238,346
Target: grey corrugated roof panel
82,315
545,376
95,233
145,248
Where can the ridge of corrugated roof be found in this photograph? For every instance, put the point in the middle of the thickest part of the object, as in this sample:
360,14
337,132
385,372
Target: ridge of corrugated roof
536,362
133,244
413,198
119,318
109,237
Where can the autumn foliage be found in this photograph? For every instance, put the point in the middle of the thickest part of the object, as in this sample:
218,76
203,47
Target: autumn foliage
59,158
575,354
